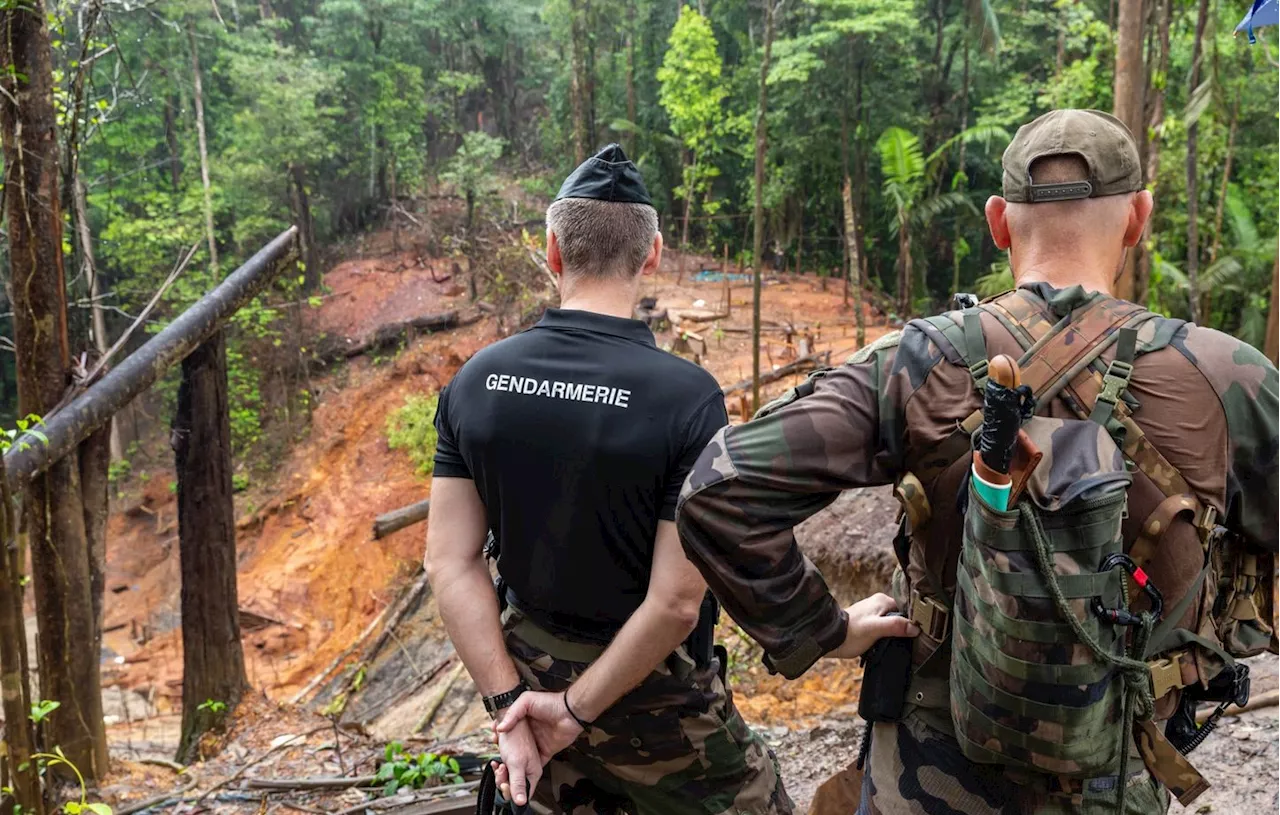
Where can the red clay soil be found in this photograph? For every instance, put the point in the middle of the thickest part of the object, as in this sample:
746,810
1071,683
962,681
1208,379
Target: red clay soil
307,560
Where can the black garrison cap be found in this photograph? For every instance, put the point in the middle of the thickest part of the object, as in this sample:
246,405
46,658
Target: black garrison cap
607,176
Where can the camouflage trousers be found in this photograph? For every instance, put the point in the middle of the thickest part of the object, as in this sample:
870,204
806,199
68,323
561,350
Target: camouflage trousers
913,769
675,745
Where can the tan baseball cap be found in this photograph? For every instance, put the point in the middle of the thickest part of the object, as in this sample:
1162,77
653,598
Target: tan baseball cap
1101,139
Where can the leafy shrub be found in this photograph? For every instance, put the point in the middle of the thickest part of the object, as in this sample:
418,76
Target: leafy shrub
401,769
411,427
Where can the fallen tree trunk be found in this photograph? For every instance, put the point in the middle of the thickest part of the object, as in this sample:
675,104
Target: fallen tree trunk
385,336
801,365
398,519
92,409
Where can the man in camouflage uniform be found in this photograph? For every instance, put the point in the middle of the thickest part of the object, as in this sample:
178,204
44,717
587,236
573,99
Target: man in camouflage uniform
571,441
1073,204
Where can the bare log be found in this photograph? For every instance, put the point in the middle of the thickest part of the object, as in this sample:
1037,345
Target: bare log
800,365
309,783
93,408
398,519
387,335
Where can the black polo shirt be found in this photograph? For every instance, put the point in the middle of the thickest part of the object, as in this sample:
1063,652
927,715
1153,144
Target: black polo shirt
578,434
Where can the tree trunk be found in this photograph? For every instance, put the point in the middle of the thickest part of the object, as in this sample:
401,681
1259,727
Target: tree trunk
14,668
855,269
905,269
1206,305
1130,82
1271,345
395,216
1193,228
1216,246
631,80
757,244
115,449
212,657
578,85
800,247
684,230
69,670
171,140
1142,273
95,466
204,154
728,286
964,125
306,226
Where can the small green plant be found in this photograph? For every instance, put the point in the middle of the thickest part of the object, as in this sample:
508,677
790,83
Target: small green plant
81,807
118,471
412,428
239,482
401,769
212,706
41,710
24,427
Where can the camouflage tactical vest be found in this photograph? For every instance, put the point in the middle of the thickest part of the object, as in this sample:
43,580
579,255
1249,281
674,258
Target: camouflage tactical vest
1031,686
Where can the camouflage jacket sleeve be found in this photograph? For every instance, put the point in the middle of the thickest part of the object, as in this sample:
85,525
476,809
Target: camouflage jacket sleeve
755,482
1246,383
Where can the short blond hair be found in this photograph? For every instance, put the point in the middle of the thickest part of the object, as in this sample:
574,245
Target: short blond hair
602,239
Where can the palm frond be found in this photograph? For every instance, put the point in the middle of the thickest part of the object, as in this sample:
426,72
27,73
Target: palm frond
1240,219
925,211
983,14
900,158
1227,272
1198,103
982,135
1166,272
1253,326
996,281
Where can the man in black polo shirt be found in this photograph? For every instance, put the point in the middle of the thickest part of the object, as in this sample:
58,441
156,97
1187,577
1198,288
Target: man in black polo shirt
571,442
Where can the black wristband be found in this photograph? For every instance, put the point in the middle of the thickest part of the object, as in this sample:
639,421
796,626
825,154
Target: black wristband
583,724
492,704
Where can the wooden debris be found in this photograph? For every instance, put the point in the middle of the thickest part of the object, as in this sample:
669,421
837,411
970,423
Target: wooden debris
801,365
340,348
430,715
398,519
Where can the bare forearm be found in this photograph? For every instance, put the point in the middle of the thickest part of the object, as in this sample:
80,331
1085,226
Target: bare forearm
646,639
469,608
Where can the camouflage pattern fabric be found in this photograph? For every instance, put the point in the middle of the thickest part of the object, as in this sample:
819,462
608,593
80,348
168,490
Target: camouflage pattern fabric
1025,691
675,745
1206,401
914,770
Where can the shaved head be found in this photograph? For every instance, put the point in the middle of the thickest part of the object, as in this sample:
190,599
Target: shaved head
1064,224
1088,234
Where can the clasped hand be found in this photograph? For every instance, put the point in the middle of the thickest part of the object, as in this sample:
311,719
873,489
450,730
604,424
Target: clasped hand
536,727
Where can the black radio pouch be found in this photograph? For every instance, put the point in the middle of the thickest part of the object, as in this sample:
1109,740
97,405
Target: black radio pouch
701,641
885,677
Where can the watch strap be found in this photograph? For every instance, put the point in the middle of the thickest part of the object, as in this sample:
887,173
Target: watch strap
492,704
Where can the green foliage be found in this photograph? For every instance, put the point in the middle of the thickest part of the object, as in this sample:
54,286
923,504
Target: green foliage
24,431
239,482
411,427
41,710
691,93
402,769
81,807
471,169
212,706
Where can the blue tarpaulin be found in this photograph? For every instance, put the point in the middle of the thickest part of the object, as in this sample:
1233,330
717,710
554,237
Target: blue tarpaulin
1261,13
713,276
